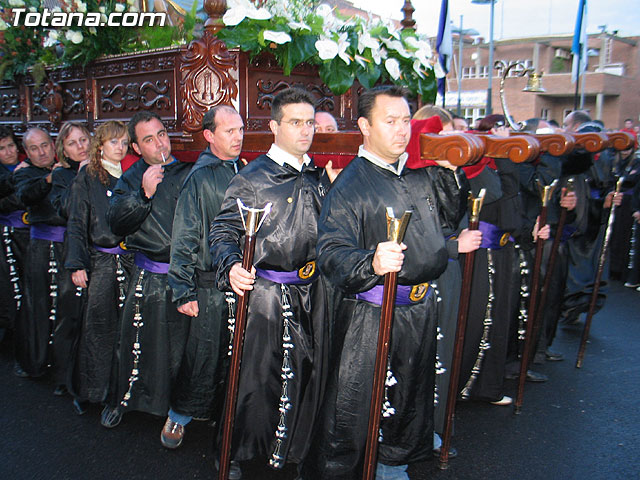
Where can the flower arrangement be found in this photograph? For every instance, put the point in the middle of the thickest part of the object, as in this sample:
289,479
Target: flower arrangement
344,49
28,49
20,47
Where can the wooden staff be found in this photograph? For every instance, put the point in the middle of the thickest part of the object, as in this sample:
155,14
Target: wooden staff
596,284
475,205
396,228
253,222
545,193
551,263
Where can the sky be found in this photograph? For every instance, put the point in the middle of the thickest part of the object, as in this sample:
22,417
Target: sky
517,18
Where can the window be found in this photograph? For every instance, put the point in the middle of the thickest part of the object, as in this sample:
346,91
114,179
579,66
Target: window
544,113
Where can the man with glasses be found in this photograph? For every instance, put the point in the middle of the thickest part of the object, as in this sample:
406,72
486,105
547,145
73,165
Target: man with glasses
280,376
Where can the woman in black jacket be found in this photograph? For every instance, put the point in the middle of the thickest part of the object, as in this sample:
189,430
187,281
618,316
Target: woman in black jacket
97,262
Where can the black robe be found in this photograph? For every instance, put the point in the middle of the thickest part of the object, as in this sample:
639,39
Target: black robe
108,275
351,225
151,344
198,385
273,341
49,295
494,288
14,240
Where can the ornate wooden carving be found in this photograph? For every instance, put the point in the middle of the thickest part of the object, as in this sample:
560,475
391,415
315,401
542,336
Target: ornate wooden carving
517,148
462,149
215,9
135,96
592,142
38,102
53,102
74,99
555,144
207,79
407,10
10,104
621,140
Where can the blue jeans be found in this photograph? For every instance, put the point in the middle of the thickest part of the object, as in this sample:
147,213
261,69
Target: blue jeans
179,418
389,472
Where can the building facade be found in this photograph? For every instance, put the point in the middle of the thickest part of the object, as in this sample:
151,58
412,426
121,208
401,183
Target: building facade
610,87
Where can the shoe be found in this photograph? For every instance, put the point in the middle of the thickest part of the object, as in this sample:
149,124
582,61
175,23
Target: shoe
172,434
552,356
539,358
19,372
453,453
638,289
504,401
60,390
110,417
532,376
80,407
235,472
632,285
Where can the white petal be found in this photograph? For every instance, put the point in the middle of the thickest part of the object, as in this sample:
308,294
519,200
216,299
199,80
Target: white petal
299,26
259,14
277,37
234,16
393,67
327,49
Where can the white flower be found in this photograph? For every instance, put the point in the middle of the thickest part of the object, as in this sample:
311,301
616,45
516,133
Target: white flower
416,67
241,9
324,10
299,26
56,9
93,31
74,36
423,50
367,41
327,49
119,8
131,2
397,46
3,25
134,9
16,3
437,69
53,34
393,67
276,37
33,9
343,44
102,9
81,6
378,54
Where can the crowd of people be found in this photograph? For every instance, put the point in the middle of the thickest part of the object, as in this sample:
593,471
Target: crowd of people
120,276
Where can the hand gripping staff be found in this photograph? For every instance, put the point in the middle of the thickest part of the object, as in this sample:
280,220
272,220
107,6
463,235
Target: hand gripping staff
596,284
255,217
545,193
475,205
396,228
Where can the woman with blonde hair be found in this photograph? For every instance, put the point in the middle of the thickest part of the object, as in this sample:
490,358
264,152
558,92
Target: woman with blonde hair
97,262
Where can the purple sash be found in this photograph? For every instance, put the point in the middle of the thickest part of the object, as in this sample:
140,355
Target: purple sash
405,294
13,219
492,236
113,250
289,278
146,263
51,233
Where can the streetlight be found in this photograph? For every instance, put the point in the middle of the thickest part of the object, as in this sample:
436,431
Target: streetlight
461,33
492,2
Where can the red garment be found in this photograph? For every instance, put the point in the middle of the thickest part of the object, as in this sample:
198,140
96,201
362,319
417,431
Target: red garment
428,125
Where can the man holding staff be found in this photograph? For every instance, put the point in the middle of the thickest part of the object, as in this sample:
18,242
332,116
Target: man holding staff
281,370
354,255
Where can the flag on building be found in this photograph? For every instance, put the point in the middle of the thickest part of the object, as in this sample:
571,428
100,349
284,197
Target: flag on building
579,46
444,47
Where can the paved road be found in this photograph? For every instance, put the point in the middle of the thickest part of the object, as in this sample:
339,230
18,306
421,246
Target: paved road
582,424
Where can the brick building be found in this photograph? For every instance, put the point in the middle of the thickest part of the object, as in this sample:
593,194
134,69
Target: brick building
611,83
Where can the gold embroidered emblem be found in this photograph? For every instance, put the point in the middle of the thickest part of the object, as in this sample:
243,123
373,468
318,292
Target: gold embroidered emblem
308,270
504,239
289,200
122,245
418,292
25,218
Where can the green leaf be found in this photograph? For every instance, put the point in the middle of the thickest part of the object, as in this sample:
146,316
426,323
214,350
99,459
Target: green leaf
337,75
370,76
